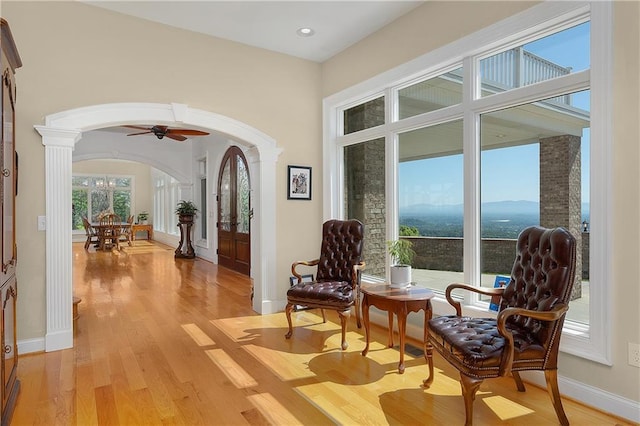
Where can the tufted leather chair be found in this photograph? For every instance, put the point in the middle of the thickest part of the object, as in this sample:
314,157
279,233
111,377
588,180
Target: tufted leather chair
526,333
337,282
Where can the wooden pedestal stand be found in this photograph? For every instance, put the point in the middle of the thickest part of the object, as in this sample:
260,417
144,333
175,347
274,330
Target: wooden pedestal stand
185,224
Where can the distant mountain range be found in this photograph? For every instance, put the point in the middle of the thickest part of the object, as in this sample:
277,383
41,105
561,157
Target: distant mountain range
492,208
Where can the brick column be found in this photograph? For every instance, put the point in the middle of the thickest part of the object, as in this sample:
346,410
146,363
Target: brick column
560,192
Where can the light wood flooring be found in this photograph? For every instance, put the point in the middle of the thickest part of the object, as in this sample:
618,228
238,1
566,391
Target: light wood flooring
163,341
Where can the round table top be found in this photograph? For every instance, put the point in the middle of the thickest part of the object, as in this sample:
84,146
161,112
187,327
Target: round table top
401,294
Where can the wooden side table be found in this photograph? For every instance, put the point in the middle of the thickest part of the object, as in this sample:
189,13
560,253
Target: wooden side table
148,228
400,302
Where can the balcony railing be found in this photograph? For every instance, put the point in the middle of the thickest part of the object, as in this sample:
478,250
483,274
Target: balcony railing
516,68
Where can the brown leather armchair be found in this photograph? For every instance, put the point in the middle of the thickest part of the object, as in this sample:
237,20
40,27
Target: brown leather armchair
526,333
337,281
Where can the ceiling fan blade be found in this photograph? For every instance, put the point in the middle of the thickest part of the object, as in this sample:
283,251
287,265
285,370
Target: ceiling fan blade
141,133
187,132
175,137
137,127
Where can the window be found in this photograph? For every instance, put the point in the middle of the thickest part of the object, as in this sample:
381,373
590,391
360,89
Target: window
165,199
94,194
431,94
203,210
474,151
364,198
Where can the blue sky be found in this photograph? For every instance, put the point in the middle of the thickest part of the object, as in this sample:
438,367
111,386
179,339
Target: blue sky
505,176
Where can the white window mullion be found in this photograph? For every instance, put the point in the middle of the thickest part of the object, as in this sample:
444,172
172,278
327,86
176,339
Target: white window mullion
471,158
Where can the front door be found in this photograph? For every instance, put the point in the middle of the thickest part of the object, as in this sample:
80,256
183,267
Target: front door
234,242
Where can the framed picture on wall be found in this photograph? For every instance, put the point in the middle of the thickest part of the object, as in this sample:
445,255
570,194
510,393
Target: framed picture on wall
299,183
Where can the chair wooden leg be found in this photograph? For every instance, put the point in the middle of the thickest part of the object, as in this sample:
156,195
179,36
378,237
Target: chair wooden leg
469,388
344,316
324,317
358,309
519,382
87,243
551,377
288,310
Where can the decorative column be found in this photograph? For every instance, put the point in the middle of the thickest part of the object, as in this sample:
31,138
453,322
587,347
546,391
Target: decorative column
59,145
560,192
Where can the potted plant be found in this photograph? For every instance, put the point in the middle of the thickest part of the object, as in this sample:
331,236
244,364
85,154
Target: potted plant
143,217
402,253
186,210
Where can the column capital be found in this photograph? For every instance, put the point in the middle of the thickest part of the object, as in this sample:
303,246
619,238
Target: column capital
58,137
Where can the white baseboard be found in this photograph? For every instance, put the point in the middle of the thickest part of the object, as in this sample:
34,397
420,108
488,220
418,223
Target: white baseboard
29,346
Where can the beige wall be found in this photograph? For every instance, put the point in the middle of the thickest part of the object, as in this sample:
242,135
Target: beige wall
426,29
142,191
75,55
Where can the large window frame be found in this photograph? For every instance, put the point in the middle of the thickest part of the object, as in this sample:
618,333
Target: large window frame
591,341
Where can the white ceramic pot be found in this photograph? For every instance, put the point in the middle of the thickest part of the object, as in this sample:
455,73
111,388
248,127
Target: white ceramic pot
400,276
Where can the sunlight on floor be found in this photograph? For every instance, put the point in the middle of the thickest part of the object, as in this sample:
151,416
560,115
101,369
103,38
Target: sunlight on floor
234,372
198,336
504,408
273,410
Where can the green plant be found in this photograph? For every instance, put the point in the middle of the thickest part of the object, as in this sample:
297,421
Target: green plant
186,208
143,216
401,250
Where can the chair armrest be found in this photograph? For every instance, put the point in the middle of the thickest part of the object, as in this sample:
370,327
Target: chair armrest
555,314
357,273
481,290
305,263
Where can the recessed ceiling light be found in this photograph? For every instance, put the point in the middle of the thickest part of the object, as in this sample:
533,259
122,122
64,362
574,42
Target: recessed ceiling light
305,32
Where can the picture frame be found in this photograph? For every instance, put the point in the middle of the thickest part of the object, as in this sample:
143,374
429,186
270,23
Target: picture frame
298,183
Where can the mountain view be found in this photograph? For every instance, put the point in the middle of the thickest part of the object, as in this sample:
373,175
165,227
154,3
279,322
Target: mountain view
500,219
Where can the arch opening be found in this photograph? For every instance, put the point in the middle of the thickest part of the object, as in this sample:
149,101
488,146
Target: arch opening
63,130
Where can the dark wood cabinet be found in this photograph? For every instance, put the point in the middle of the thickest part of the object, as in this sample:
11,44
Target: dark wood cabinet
10,61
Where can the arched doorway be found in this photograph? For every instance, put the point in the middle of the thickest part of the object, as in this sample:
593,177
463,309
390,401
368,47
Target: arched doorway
234,212
60,134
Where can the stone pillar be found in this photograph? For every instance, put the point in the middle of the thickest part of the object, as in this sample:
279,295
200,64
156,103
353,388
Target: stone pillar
560,192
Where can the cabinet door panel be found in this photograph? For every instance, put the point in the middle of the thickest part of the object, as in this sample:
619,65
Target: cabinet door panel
9,346
8,175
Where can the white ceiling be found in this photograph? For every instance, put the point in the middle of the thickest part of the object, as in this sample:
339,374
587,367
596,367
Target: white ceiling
272,25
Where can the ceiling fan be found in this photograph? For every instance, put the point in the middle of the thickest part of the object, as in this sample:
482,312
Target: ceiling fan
162,131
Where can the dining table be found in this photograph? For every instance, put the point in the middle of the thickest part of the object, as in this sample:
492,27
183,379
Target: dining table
100,232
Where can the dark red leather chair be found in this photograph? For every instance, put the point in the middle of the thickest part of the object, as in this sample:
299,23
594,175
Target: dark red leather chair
526,333
337,281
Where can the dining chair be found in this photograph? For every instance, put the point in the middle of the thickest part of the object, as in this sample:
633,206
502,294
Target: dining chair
525,335
109,231
126,231
91,233
337,281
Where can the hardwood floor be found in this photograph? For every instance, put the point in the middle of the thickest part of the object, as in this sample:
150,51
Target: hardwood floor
164,341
